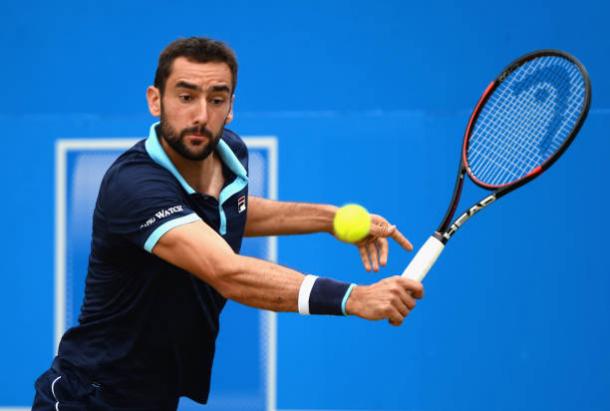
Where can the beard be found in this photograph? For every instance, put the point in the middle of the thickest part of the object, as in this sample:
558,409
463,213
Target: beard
176,141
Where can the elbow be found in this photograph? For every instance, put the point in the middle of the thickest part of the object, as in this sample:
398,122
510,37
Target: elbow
224,278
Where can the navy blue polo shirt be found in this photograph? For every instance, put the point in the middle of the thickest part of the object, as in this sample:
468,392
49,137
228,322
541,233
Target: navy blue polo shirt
147,329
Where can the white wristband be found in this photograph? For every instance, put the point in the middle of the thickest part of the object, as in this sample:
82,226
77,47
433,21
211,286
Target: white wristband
305,292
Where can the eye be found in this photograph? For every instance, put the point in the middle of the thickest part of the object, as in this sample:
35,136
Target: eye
185,98
217,101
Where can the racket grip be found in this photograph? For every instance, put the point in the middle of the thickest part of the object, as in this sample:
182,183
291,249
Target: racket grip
424,259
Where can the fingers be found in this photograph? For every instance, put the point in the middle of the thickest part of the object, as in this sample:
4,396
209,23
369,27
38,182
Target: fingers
397,319
364,256
407,299
374,249
373,255
401,240
396,313
402,309
404,304
382,243
412,287
380,227
400,300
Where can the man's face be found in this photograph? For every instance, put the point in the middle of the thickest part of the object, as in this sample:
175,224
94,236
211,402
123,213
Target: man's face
195,106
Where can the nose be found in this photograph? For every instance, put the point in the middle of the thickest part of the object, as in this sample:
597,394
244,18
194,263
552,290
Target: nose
201,112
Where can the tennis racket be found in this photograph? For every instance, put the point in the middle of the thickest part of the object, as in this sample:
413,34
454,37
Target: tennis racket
524,121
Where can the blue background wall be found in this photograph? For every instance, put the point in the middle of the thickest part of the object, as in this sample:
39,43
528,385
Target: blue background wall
369,101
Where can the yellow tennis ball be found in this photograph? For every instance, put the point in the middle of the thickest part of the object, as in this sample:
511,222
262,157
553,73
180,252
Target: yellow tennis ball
352,223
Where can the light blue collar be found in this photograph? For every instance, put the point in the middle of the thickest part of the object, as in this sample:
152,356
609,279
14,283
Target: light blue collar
158,154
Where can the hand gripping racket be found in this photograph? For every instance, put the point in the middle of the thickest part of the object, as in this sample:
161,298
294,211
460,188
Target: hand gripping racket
524,121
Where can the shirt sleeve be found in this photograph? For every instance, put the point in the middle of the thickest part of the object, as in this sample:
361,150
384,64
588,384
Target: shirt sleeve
142,202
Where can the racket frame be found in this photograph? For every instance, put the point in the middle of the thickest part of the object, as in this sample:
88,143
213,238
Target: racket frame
447,228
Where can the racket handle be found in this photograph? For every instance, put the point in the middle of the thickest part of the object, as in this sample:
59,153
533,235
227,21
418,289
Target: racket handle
424,259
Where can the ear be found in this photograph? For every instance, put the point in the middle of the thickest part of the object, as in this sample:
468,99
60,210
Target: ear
230,115
153,96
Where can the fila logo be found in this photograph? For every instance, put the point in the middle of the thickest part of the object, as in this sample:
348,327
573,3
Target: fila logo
241,204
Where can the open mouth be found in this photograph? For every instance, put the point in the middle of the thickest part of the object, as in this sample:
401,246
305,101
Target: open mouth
196,139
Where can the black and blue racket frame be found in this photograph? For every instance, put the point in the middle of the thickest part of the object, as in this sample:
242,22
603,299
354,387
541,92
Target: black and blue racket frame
446,229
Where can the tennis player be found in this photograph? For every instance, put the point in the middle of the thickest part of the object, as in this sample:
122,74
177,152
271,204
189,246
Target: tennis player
167,229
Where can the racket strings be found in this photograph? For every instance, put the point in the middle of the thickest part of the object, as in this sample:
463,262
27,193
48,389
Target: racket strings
526,120
507,150
517,153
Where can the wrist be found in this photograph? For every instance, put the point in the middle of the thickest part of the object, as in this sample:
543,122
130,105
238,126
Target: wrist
330,211
351,305
323,296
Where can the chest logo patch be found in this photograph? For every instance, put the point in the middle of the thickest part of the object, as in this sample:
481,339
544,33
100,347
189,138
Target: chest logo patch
241,204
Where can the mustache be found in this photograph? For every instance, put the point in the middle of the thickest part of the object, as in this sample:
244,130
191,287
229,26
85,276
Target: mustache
197,130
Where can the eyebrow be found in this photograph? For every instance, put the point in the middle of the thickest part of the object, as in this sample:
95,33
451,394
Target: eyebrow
194,87
187,85
220,87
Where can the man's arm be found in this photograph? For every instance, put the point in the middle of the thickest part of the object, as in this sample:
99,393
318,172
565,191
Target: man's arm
269,217
196,248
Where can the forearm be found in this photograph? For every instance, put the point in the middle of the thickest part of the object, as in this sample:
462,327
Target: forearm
261,284
269,217
197,249
250,281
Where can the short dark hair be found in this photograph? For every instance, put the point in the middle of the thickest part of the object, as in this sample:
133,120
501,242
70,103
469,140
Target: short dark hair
196,49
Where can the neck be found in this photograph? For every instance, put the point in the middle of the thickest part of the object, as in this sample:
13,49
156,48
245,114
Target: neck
202,175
